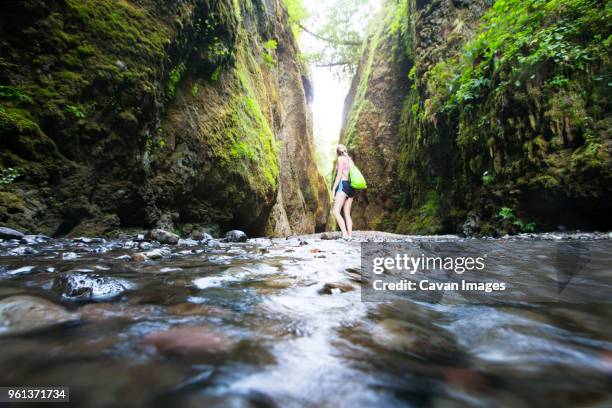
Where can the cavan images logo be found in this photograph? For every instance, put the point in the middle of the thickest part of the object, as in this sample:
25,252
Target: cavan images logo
487,271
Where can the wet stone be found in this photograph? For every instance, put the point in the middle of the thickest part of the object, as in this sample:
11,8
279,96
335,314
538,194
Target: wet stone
23,250
25,313
157,253
108,311
187,242
33,239
162,236
83,286
213,243
194,309
145,245
9,233
136,257
88,240
354,274
236,236
332,288
201,236
69,256
188,340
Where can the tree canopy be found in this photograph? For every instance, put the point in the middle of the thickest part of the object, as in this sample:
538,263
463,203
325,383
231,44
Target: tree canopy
335,31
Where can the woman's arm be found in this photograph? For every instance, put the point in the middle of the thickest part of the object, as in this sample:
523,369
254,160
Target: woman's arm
338,176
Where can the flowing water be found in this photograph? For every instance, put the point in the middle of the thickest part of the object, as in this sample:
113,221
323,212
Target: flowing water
251,324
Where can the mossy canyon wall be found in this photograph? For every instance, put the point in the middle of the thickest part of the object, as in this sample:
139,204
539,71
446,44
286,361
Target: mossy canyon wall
484,117
183,115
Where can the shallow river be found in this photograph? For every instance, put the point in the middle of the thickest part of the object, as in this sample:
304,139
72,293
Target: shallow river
252,324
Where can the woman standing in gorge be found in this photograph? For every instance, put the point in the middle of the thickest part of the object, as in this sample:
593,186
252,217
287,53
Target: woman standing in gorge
343,193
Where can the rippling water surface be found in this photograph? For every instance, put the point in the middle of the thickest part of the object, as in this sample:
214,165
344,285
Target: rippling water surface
254,325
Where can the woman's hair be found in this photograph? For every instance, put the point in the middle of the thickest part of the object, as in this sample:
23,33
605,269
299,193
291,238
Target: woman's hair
341,150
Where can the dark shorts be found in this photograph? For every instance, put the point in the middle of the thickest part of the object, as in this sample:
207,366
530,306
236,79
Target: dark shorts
345,186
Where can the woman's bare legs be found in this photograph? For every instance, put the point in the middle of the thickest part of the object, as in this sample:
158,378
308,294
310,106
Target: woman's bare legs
347,216
339,200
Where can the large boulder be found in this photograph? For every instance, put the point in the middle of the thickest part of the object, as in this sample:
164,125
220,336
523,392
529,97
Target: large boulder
163,237
9,233
83,286
236,236
24,313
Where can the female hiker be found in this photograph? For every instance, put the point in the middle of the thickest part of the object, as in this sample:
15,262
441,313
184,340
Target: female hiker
343,193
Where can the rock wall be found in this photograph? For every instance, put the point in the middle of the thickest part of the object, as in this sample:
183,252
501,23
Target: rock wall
503,124
186,115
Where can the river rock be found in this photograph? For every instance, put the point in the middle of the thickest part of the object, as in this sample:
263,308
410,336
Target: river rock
193,309
471,226
88,240
332,288
81,286
213,243
330,235
162,236
188,340
138,257
145,246
108,311
158,253
201,236
23,250
187,242
425,341
236,236
354,274
24,313
69,256
33,239
9,233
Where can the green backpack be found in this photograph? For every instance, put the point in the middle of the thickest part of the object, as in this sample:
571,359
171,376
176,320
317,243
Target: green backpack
357,180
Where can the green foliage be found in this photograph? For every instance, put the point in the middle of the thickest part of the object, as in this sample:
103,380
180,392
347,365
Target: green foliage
524,99
507,214
338,28
236,7
269,48
518,36
216,73
195,88
487,179
8,175
270,45
75,110
297,14
244,141
411,73
155,140
13,93
174,78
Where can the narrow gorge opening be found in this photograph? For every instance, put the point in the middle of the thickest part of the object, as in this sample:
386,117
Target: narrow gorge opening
331,37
